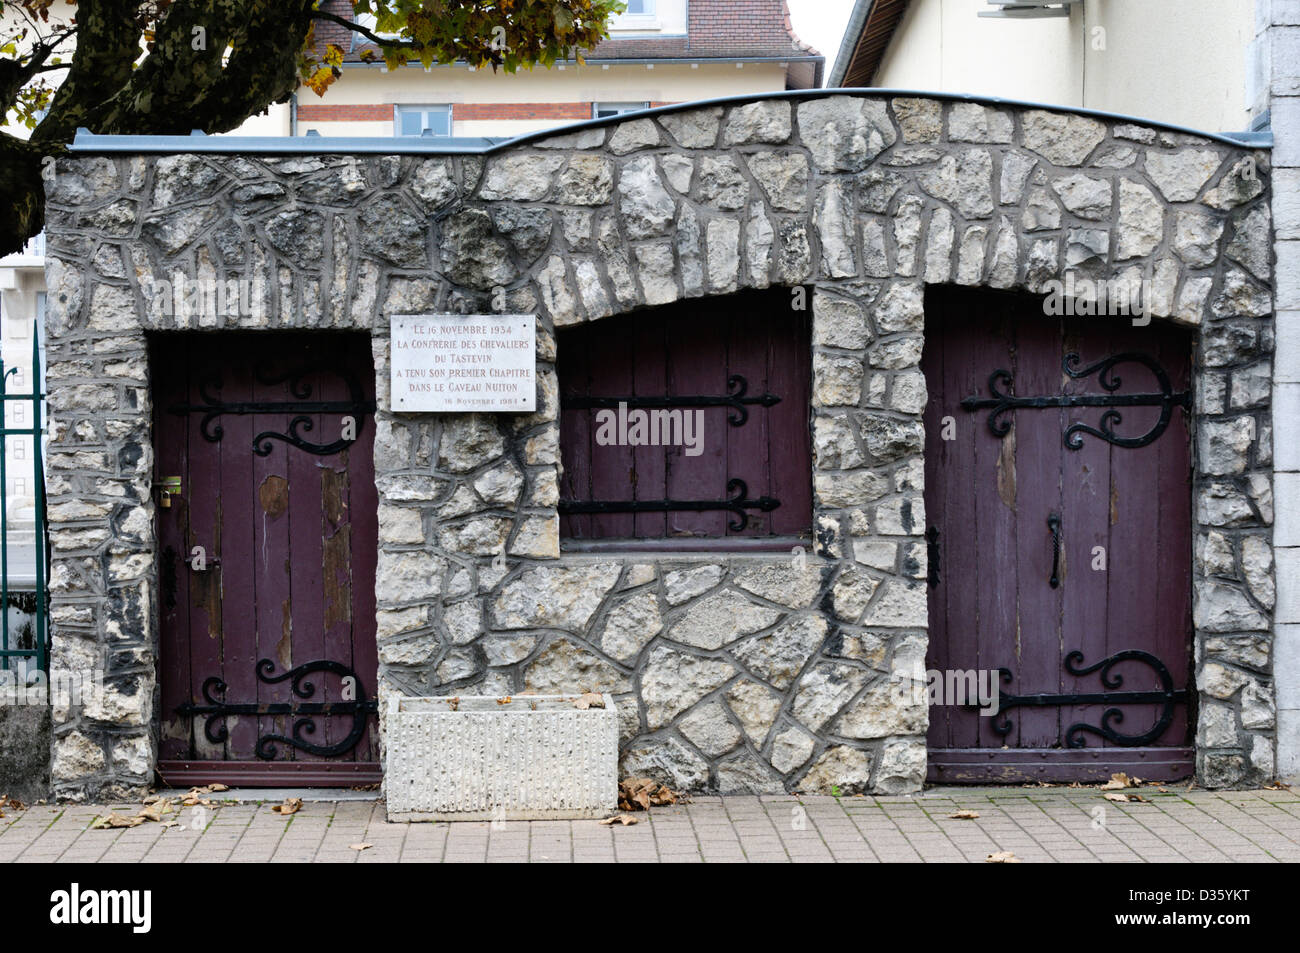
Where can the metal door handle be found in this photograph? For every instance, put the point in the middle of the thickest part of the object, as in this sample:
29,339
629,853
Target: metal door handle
1054,524
932,555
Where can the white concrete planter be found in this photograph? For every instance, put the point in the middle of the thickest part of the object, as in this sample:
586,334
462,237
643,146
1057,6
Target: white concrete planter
482,758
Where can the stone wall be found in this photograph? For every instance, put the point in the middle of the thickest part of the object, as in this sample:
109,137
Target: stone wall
733,673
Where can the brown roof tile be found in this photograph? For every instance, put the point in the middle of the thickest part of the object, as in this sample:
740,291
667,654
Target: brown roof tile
717,29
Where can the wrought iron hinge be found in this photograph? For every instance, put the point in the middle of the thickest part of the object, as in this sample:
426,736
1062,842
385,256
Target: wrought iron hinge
305,713
1001,402
301,407
736,398
1166,696
737,503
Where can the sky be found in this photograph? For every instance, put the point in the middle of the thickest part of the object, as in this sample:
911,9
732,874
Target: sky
821,23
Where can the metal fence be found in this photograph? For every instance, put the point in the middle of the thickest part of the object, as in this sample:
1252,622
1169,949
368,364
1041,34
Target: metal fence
24,566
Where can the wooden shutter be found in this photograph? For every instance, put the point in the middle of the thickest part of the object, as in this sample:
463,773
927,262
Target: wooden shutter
750,346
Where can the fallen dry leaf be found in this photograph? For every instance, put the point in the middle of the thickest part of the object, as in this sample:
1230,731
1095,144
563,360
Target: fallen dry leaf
113,820
155,810
218,787
1124,798
1118,782
168,825
624,819
965,815
641,794
291,805
504,700
361,846
198,795
1002,857
589,700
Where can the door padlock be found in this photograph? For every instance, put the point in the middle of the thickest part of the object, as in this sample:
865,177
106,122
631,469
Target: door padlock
167,487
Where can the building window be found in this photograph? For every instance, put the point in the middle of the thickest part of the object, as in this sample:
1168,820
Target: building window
434,121
603,110
19,487
688,426
20,449
640,8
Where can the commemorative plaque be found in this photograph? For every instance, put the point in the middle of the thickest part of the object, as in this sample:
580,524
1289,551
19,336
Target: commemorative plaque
464,363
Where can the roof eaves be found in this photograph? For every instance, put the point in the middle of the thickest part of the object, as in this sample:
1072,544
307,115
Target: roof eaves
867,37
848,43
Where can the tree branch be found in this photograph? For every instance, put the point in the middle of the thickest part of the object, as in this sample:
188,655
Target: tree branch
368,34
23,210
107,46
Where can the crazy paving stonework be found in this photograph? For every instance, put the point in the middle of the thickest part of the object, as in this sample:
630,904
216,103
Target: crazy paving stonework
735,673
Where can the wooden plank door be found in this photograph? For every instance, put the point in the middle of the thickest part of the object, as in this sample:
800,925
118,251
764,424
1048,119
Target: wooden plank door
1058,501
268,658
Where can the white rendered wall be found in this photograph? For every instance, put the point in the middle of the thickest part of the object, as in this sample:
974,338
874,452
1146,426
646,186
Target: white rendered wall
1178,61
1279,32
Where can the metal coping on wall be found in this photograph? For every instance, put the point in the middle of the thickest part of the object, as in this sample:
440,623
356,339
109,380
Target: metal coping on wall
88,142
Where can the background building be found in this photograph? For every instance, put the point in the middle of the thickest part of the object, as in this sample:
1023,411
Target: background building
658,52
1194,63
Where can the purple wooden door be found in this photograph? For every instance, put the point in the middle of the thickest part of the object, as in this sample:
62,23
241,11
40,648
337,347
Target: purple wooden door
1060,540
741,365
268,657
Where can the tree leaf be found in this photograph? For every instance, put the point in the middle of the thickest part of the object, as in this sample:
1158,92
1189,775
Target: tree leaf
291,805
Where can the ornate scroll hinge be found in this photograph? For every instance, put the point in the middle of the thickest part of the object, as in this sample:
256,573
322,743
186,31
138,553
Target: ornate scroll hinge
302,407
1001,402
1166,696
305,713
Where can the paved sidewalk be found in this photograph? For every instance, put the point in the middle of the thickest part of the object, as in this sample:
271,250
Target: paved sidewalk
1036,824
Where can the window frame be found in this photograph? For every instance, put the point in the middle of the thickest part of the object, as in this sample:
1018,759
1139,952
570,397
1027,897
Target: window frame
631,108
401,109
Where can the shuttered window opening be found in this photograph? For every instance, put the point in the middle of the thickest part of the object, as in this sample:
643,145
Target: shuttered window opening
687,426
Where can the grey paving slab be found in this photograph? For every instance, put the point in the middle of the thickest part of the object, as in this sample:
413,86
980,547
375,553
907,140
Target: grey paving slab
1039,825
